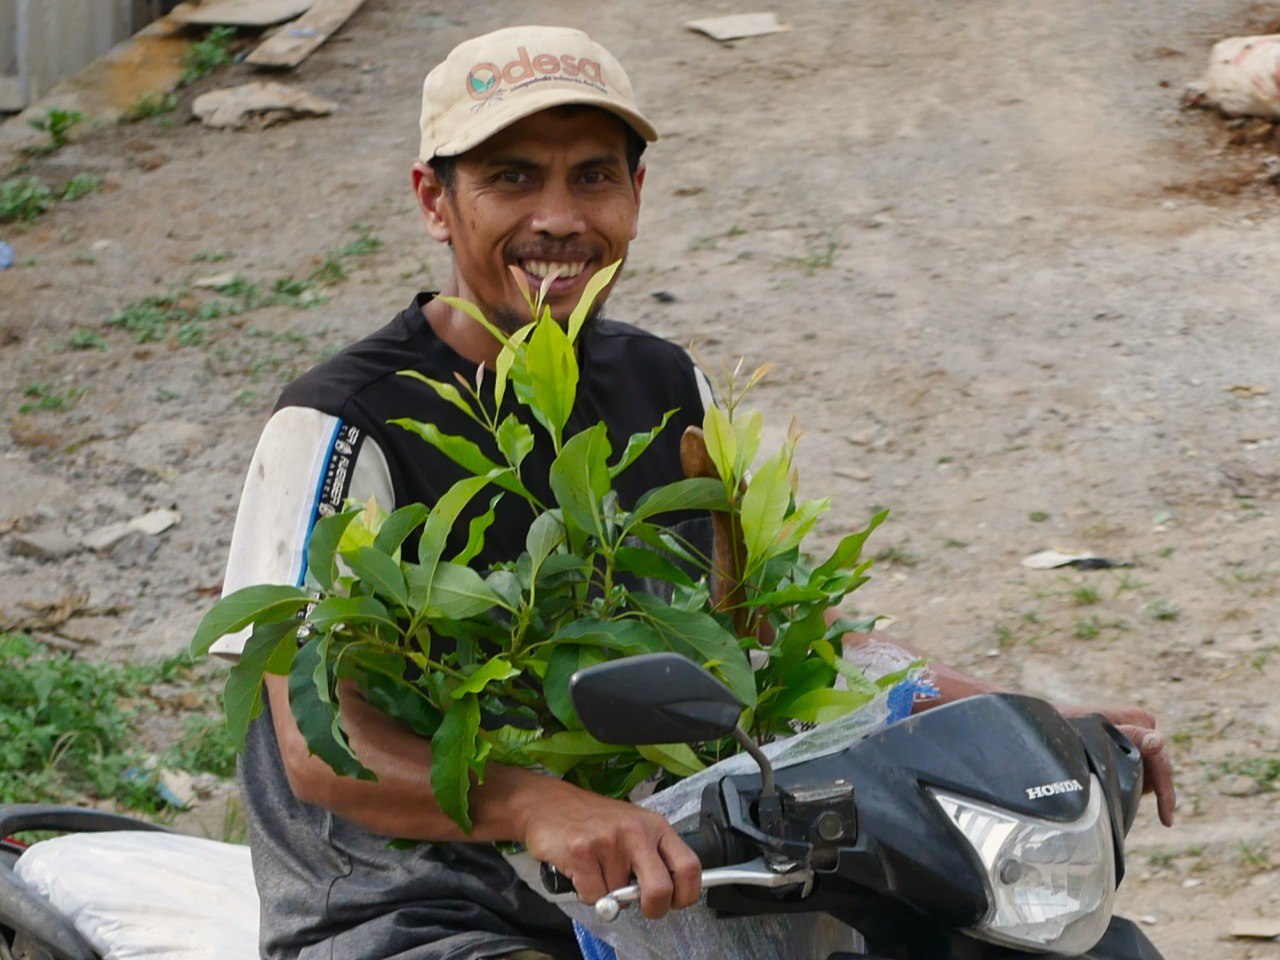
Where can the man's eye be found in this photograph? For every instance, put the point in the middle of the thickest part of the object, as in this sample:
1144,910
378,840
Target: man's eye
513,176
595,176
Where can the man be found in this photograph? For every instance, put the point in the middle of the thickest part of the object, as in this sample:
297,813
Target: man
530,158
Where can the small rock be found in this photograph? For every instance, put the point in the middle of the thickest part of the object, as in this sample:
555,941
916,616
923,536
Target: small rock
1192,884
104,538
664,296
1149,920
137,549
43,545
852,473
862,438
214,281
1239,786
46,512
155,522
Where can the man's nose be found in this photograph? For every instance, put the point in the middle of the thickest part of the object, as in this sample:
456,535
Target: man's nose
559,213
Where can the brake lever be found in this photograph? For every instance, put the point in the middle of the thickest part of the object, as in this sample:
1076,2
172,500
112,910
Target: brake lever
754,873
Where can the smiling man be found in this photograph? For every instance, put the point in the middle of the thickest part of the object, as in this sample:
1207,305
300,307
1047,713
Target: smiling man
530,167
530,159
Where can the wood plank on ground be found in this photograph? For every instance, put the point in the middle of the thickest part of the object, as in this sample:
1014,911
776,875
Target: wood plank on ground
297,40
245,13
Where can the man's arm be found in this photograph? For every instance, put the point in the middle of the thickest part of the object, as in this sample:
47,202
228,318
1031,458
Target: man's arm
1134,722
597,842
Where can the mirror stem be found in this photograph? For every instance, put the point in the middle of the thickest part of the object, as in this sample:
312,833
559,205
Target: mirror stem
766,768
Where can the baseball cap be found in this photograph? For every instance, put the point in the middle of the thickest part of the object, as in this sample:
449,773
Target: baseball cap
488,83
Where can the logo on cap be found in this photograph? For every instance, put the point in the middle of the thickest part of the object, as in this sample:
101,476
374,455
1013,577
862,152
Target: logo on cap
485,79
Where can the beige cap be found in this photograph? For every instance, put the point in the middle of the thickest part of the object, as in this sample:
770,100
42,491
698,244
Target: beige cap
489,83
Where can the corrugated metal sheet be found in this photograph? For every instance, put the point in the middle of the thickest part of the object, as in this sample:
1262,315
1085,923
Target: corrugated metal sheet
42,41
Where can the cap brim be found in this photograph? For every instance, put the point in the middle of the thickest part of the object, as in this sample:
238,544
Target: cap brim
535,102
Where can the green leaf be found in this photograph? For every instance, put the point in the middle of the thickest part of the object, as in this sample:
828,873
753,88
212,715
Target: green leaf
823,705
263,603
798,524
380,572
748,428
764,506
702,639
597,283
580,478
398,526
465,454
242,699
453,749
476,530
474,312
566,659
459,592
333,610
507,743
545,534
316,712
514,439
626,636
648,563
722,444
854,677
638,444
446,391
494,671
697,493
552,368
561,752
675,757
849,550
445,512
322,548
506,358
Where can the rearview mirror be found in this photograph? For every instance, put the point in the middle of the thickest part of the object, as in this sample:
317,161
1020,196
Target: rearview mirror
653,698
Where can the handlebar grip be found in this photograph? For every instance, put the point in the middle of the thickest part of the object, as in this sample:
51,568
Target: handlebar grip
704,847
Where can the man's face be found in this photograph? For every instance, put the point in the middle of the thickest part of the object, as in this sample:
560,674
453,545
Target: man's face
551,192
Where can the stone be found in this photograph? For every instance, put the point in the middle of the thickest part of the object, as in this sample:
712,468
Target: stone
137,549
43,545
155,522
1239,786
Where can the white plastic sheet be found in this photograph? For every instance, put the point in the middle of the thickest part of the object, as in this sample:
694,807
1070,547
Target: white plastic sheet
141,895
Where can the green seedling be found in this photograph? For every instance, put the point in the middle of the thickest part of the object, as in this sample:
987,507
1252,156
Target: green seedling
22,199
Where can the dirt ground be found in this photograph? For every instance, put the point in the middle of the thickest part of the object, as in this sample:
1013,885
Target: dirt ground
1010,290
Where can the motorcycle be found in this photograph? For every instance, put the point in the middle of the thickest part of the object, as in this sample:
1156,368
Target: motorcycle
990,828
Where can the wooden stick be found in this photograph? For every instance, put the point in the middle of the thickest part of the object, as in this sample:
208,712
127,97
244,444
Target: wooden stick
728,554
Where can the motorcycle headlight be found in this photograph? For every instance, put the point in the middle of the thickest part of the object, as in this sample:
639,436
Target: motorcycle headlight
1051,886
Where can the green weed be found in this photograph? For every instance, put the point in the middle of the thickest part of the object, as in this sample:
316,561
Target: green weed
23,199
823,260
364,244
85,339
207,54
44,397
81,185
1084,595
1163,610
58,124
1037,516
150,105
211,256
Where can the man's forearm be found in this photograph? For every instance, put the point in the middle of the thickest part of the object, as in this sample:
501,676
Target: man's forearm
402,803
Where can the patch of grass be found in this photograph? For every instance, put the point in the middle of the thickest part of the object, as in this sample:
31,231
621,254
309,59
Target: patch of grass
329,273
211,256
1090,628
207,54
1256,857
955,543
1163,610
85,339
364,244
296,293
1037,516
150,105
898,554
58,124
45,397
711,241
23,199
822,260
1127,583
1264,770
205,747
1084,595
81,185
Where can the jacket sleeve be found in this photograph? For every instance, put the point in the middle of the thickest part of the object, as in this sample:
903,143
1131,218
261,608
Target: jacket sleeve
306,466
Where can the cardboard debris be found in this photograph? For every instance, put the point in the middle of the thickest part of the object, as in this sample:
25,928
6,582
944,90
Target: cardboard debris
155,521
1255,929
45,616
242,13
298,40
1248,390
737,26
260,104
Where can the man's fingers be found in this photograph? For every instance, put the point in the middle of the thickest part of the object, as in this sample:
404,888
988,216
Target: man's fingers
685,869
1157,769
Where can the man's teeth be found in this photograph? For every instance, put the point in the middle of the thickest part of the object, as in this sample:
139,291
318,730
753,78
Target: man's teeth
544,268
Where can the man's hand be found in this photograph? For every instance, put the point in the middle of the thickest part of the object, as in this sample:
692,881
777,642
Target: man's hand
601,844
1157,769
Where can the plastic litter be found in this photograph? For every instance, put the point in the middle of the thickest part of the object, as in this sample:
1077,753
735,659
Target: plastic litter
1241,80
6,256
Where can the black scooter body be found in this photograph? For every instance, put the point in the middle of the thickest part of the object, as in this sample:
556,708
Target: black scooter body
899,872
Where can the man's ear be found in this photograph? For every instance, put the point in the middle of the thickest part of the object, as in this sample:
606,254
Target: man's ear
637,184
433,202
